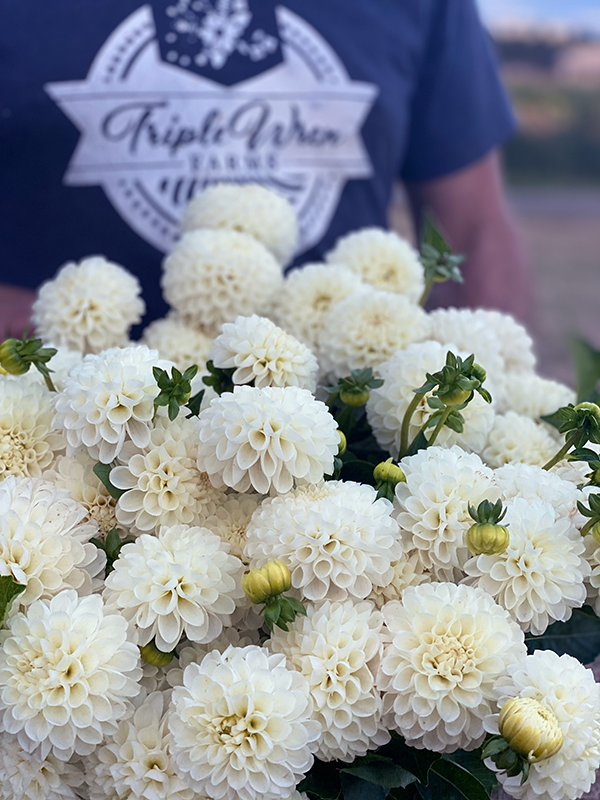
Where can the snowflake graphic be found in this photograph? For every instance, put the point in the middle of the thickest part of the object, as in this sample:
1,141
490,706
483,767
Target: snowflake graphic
218,31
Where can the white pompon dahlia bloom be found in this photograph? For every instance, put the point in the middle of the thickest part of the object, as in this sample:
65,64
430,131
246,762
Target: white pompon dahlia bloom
518,439
567,689
29,442
336,546
135,762
533,396
534,483
402,373
250,208
465,329
337,647
449,646
242,726
408,571
162,482
212,277
27,776
182,581
307,296
45,541
231,518
516,343
540,577
432,506
383,259
262,353
266,438
178,342
85,672
107,399
88,306
366,329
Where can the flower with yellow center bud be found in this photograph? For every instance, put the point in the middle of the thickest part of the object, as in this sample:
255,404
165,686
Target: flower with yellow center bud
267,585
530,729
387,475
486,536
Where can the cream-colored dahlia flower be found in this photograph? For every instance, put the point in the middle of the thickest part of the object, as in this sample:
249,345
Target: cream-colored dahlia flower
263,354
408,571
107,399
533,396
212,277
308,295
29,441
178,342
518,439
231,518
242,726
535,483
516,343
383,259
85,672
406,371
249,208
449,646
45,540
540,577
27,776
432,506
89,306
337,647
337,546
182,581
568,690
366,329
263,438
162,483
135,762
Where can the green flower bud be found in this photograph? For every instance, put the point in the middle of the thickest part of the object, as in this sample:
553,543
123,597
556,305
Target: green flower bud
354,397
272,579
530,729
486,538
592,408
11,359
477,371
342,446
388,472
456,396
595,531
152,655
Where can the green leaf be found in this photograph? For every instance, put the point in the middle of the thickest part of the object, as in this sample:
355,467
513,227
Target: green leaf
102,471
381,771
432,239
113,543
459,779
420,443
354,788
472,761
322,782
587,369
579,637
194,404
9,589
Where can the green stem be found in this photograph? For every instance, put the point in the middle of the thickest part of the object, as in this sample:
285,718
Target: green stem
426,292
441,422
421,430
588,526
48,381
563,451
412,407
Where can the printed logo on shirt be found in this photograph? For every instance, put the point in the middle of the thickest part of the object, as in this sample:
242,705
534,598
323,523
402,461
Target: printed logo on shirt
160,117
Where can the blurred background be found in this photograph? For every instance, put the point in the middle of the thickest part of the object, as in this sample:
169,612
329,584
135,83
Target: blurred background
549,51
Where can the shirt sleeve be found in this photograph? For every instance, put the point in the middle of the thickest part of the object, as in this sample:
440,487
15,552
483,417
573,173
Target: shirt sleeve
459,110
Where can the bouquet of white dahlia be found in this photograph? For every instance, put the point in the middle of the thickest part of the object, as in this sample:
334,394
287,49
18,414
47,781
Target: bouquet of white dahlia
304,540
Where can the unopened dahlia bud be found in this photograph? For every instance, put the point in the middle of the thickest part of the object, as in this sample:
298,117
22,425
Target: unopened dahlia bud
343,443
487,536
478,372
11,359
355,397
152,655
592,408
530,729
270,580
388,472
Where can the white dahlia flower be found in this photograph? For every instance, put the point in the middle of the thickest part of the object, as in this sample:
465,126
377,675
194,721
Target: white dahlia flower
592,556
76,474
27,776
178,342
402,373
465,329
264,354
383,259
183,581
532,396
29,441
567,689
162,483
135,762
516,344
307,296
107,399
85,672
366,329
449,645
45,540
242,726
535,483
231,518
432,506
265,438
540,577
59,365
249,208
337,647
515,439
88,306
408,571
336,547
212,277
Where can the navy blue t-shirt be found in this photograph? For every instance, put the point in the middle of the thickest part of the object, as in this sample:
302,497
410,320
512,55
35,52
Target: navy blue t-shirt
114,113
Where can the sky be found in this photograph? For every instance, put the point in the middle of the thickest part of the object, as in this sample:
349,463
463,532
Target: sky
579,14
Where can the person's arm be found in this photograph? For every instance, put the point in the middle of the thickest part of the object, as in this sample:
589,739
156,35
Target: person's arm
470,207
15,310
